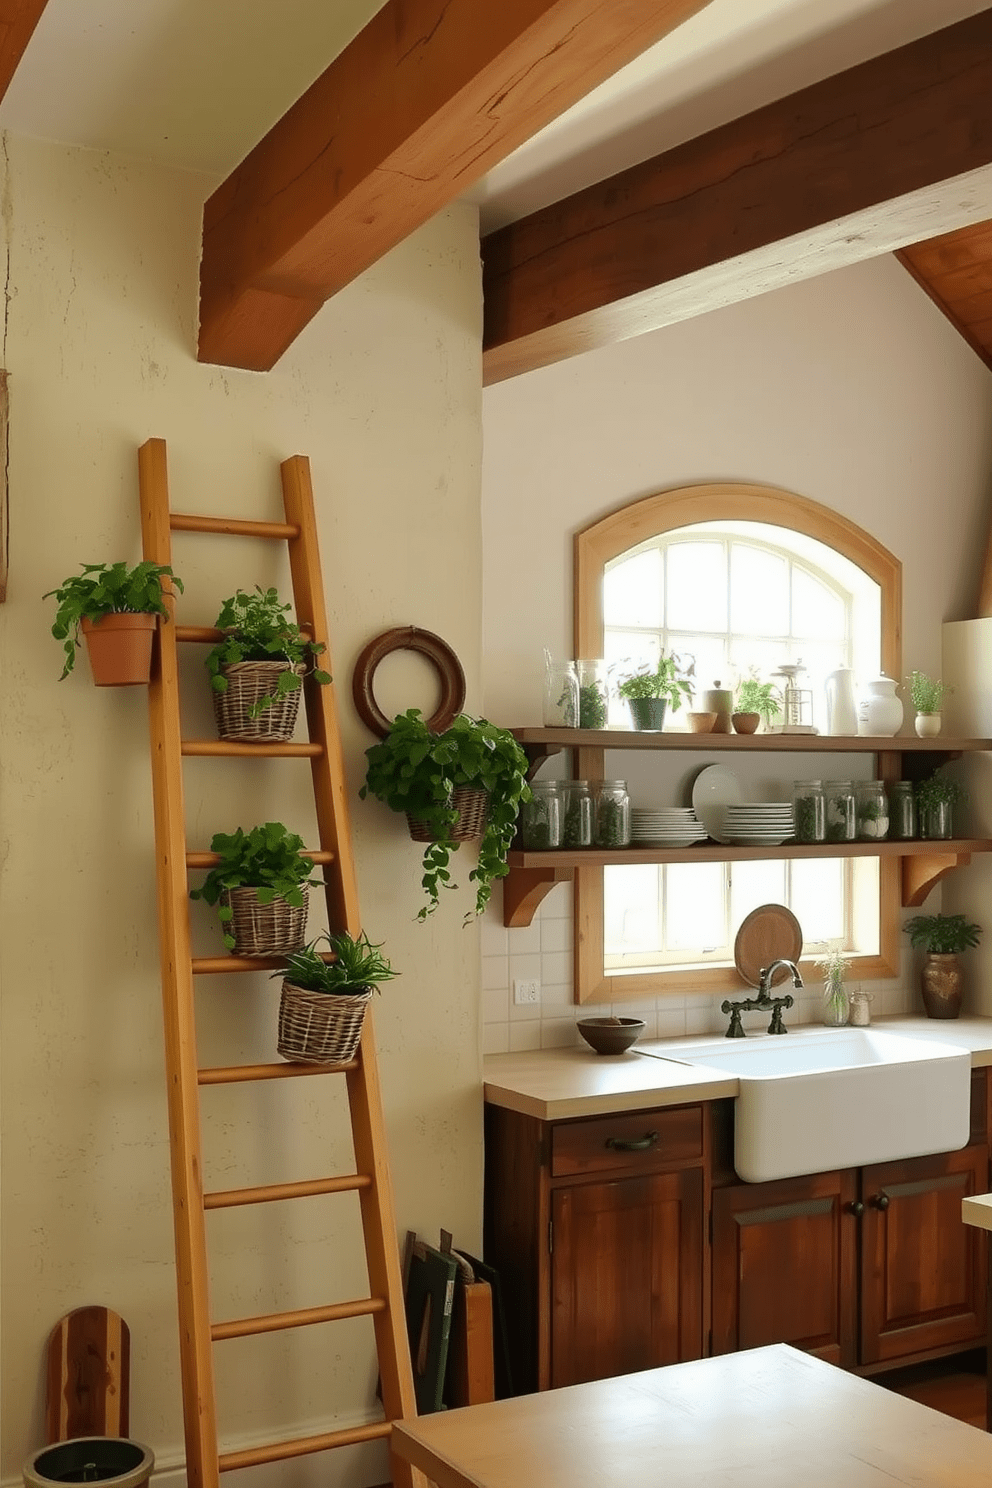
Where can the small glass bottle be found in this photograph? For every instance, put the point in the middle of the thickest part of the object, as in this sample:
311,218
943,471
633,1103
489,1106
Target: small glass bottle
540,817
576,826
594,694
902,811
561,695
871,806
612,816
841,821
808,808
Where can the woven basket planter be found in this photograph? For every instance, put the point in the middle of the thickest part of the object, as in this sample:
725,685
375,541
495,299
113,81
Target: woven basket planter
472,807
264,929
320,1027
247,683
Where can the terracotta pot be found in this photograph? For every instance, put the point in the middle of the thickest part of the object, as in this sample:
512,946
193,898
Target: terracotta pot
941,986
120,648
745,723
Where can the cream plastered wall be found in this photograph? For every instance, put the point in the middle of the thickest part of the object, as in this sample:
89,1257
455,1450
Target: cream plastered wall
850,389
382,391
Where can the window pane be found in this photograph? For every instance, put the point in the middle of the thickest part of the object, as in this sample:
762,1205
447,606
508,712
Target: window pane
695,914
752,884
817,611
697,586
759,592
709,654
818,898
632,909
633,590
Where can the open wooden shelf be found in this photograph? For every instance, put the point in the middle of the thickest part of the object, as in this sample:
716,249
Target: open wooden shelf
717,852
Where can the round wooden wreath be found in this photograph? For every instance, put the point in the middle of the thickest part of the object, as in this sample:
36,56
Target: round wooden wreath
409,638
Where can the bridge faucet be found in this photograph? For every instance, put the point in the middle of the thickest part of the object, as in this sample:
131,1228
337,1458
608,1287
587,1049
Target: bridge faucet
766,974
764,1001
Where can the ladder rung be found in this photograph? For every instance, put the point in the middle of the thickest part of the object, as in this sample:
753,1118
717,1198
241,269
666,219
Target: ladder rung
335,1312
219,965
233,1074
210,860
230,1198
280,1451
231,526
228,748
208,635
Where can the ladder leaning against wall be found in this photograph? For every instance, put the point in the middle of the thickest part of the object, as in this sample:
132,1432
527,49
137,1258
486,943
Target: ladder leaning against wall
204,1460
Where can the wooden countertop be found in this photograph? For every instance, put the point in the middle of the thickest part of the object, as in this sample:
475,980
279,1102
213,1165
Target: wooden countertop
766,1418
557,1084
978,1211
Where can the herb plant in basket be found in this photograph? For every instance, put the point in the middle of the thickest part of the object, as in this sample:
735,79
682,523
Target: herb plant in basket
466,782
323,1002
260,887
115,608
257,670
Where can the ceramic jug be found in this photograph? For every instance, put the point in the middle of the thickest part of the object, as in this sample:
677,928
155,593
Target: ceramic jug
880,712
842,714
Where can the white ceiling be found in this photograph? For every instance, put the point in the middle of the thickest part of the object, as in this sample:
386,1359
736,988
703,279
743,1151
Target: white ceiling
195,83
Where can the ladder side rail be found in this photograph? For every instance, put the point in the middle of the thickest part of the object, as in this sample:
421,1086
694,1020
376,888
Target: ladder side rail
199,1409
328,769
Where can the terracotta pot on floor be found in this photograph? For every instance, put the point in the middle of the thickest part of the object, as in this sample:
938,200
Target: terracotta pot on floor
941,986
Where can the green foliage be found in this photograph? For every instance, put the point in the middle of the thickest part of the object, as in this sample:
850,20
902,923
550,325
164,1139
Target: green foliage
259,631
943,935
668,680
926,692
267,858
758,697
416,771
357,966
939,790
106,589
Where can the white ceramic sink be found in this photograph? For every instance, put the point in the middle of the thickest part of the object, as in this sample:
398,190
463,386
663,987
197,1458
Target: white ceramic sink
822,1098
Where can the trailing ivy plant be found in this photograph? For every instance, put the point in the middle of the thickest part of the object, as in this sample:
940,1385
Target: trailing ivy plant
267,858
357,966
415,771
258,630
106,589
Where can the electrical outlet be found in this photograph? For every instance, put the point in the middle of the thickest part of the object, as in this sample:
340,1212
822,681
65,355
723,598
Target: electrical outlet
526,991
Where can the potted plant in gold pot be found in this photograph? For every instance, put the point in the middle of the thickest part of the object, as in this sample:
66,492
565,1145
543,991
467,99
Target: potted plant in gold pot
943,937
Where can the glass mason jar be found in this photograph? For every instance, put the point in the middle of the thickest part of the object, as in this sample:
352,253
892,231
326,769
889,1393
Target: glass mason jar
594,694
612,815
561,695
936,820
576,825
808,809
871,806
841,821
540,817
836,1004
902,811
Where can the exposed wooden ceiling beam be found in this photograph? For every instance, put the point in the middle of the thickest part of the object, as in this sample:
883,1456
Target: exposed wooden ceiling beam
18,18
956,272
889,152
424,100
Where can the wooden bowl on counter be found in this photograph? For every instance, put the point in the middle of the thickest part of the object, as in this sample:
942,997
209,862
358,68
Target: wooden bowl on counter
610,1035
701,723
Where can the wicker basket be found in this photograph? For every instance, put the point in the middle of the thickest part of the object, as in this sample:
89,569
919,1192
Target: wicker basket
247,682
320,1027
472,807
264,929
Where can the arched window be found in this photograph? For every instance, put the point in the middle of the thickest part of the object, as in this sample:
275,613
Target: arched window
741,578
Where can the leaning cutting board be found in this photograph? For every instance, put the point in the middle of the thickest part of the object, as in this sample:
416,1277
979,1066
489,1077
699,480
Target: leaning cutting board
769,933
89,1356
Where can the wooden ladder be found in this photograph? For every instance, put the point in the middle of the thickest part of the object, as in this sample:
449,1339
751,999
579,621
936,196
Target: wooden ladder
204,1461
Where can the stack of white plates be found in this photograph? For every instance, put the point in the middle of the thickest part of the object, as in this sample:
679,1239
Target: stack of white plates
665,826
760,824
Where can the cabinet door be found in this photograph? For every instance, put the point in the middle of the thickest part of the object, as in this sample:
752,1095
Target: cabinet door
923,1269
626,1275
784,1266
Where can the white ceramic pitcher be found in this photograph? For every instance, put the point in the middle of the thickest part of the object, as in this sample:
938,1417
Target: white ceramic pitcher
880,712
842,713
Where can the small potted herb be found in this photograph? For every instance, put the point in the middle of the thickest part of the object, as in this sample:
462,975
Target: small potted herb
257,670
927,694
755,701
935,802
943,937
259,886
323,1002
464,783
650,692
116,609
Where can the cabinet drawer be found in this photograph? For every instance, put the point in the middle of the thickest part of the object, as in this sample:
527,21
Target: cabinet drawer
629,1142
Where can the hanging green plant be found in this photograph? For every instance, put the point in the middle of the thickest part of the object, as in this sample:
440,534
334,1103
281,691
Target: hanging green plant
258,630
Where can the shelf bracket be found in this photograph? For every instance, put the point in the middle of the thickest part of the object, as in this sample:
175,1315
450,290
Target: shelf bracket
921,872
523,890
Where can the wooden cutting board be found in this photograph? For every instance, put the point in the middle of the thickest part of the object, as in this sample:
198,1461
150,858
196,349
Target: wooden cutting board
89,1356
769,933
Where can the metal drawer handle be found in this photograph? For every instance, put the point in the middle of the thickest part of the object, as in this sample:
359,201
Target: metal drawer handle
635,1144
881,1201
857,1208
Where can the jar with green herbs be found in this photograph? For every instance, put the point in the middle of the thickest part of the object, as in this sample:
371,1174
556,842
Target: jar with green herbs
808,809
612,814
576,827
594,694
902,811
540,817
841,819
871,806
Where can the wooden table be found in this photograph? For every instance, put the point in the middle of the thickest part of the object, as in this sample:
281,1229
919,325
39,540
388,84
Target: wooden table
766,1418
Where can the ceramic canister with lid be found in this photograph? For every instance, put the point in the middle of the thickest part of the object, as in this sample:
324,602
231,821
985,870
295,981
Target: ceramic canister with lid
719,700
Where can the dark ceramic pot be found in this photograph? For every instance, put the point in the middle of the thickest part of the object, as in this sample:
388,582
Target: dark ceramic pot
648,714
941,986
